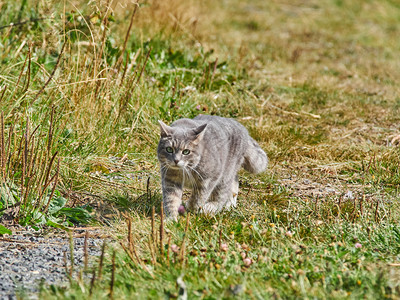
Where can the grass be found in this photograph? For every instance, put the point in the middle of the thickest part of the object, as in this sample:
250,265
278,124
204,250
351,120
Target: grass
315,83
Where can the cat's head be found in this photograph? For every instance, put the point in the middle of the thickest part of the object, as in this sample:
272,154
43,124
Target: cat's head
180,147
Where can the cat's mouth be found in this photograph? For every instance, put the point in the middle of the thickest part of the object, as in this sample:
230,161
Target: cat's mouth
177,166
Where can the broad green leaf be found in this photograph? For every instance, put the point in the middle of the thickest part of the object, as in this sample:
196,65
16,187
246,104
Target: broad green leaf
76,214
56,204
4,230
57,225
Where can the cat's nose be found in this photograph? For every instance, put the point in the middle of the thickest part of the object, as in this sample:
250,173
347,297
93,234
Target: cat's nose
176,161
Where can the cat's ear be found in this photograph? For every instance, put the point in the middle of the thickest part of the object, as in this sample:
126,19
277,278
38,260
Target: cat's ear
165,129
199,131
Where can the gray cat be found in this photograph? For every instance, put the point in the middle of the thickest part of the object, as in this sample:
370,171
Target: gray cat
205,154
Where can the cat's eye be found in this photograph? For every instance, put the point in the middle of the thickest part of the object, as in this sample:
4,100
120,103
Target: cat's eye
169,149
186,151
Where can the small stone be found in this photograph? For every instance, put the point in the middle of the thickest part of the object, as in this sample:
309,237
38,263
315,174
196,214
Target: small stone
174,248
236,289
349,195
224,247
247,262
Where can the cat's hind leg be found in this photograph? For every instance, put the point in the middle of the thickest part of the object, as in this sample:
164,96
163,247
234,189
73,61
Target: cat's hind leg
211,207
220,198
200,195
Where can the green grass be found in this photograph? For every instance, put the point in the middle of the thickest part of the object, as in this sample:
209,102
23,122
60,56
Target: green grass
316,83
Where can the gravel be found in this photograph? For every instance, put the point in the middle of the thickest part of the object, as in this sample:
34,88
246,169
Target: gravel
28,260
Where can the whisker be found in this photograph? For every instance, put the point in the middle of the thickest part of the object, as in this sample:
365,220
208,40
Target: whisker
193,169
185,176
164,169
190,178
193,180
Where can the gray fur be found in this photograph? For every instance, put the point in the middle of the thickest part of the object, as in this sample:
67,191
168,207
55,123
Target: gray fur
218,147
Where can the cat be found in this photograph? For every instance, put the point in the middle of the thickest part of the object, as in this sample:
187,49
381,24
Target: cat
204,154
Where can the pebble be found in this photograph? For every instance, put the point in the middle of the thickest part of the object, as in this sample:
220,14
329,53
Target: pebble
27,261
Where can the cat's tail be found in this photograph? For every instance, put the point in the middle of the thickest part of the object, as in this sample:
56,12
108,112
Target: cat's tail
255,159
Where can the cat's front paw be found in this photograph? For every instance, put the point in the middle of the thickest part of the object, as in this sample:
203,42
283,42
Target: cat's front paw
171,215
210,208
231,202
171,218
